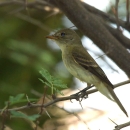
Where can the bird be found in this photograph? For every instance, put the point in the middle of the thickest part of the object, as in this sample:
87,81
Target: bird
81,65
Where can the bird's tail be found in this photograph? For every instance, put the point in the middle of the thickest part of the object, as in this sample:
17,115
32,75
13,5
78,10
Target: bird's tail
109,93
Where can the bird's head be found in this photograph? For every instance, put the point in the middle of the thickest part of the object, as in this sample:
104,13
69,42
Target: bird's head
65,37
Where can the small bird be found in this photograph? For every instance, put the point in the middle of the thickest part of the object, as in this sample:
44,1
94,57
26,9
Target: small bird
81,65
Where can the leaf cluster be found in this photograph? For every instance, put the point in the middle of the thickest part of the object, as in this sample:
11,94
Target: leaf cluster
50,81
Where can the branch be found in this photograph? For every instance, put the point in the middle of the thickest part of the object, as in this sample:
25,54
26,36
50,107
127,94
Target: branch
33,21
89,8
105,16
80,95
116,14
6,3
119,36
127,12
125,41
118,127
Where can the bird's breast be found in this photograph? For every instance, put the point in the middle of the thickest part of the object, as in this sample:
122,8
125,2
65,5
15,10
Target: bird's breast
76,70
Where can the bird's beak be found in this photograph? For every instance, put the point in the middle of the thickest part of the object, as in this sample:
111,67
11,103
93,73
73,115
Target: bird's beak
52,37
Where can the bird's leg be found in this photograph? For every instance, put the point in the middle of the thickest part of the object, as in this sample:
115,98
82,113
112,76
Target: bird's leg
89,86
83,93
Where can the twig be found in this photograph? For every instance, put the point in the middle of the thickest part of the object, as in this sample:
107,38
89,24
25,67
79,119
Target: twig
127,12
116,14
118,35
75,114
6,3
33,21
105,16
118,127
43,99
113,121
5,114
42,108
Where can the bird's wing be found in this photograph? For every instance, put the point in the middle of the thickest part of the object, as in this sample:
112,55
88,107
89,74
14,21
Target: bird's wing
86,61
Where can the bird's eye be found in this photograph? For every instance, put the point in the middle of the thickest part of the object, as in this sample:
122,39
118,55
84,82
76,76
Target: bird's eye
62,34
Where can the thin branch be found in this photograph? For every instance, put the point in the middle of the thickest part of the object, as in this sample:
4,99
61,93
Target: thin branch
76,96
55,105
42,108
90,8
116,14
127,12
33,21
118,127
6,3
119,36
105,16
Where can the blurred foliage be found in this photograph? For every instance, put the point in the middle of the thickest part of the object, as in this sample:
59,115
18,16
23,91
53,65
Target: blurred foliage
23,52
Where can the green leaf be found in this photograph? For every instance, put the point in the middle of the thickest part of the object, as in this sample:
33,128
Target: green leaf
45,74
18,99
17,114
60,86
58,91
46,83
19,96
52,82
58,83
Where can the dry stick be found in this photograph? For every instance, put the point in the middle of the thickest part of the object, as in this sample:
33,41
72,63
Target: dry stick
41,111
4,117
118,127
127,12
116,14
118,35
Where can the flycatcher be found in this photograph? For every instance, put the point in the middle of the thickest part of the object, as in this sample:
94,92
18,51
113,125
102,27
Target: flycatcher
81,65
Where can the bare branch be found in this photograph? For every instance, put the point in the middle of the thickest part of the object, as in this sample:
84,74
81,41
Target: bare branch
119,36
6,3
105,16
119,127
76,96
116,14
33,21
127,12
